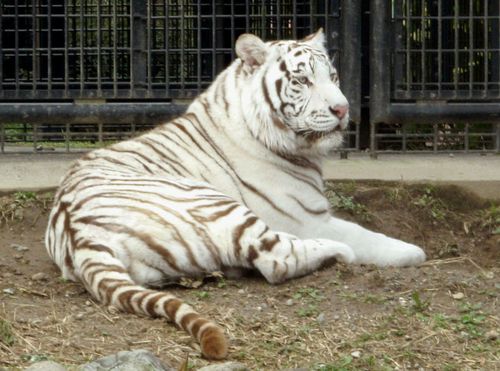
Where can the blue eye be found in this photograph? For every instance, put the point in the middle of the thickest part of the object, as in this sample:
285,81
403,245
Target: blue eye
303,80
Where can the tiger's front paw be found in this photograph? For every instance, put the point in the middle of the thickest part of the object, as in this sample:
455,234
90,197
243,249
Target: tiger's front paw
333,249
388,251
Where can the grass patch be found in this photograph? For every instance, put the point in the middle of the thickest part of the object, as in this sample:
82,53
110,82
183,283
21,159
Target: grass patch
6,333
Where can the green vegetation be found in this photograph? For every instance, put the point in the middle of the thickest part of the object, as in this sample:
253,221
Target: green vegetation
6,333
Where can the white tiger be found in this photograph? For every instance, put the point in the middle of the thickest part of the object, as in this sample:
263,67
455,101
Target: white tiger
234,183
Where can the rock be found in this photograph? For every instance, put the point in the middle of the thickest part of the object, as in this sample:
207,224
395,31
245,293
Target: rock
458,296
9,291
321,318
227,366
136,360
241,291
491,335
46,366
39,277
356,354
80,316
19,248
289,302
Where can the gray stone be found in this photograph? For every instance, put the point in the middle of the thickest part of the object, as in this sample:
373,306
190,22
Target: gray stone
227,366
40,277
136,360
19,248
46,366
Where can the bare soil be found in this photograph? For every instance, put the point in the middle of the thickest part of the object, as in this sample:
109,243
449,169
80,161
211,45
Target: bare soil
442,315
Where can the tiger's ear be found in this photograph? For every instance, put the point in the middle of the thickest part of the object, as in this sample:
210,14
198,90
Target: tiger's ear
251,49
315,39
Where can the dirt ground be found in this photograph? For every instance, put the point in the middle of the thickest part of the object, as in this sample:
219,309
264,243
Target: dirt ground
443,315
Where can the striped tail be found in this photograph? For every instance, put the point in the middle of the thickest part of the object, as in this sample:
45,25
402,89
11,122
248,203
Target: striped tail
108,281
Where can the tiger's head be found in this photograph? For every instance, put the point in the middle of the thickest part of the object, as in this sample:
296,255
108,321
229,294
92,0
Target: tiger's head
296,94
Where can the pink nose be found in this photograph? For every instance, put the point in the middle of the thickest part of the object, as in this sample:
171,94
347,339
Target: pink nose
340,110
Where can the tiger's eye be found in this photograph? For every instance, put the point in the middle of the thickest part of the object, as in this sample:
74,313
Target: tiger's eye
303,80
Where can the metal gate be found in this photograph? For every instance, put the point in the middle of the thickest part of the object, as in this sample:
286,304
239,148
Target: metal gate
435,76
421,75
80,71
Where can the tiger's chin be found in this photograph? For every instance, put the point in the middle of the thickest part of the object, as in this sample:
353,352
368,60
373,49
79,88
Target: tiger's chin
321,143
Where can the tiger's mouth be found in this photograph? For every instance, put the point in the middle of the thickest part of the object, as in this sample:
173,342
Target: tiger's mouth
315,135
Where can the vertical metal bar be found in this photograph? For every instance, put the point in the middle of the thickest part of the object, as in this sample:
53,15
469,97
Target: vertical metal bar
403,138
278,20
485,49
100,134
471,47
49,46
466,137
434,137
2,128
16,43
67,136
115,50
182,45
380,61
422,55
149,45
498,138
350,58
328,12
166,11
214,40
455,51
34,45
311,18
294,19
35,136
233,41
81,30
198,52
495,46
408,48
66,51
247,17
1,50
440,47
99,46
398,38
138,47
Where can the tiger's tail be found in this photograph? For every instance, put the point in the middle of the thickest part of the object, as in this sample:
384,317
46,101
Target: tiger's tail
107,279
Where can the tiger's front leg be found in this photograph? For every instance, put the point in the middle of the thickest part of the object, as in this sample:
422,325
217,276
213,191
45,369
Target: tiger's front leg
293,257
371,247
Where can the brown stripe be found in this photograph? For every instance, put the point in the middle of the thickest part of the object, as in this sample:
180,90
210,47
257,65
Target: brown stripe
238,232
268,244
308,210
150,305
171,307
187,319
199,323
268,200
252,255
125,299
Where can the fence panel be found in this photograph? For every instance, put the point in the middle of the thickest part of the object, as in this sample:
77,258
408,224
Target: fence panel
444,90
68,68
